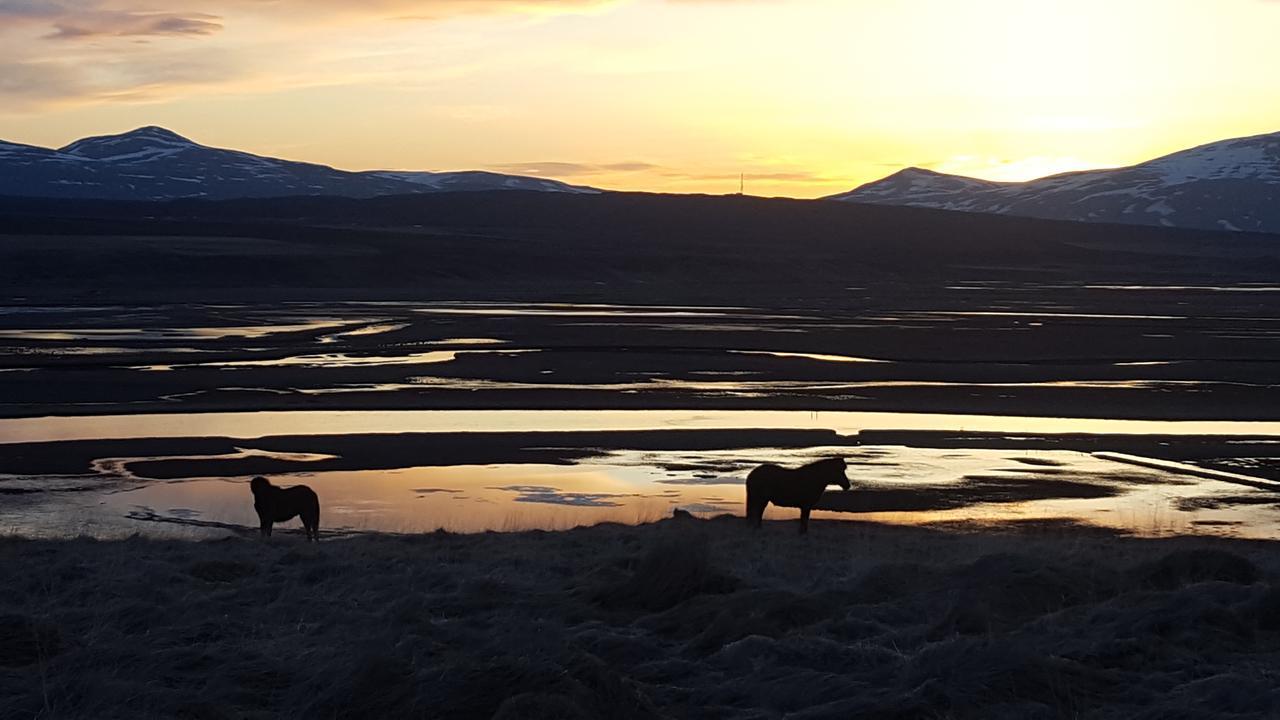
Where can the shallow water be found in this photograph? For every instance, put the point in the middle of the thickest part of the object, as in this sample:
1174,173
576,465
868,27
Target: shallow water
306,422
891,484
333,349
248,332
898,485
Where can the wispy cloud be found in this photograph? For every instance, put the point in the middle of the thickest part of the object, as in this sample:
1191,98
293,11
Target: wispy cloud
124,18
572,169
78,26
654,171
91,51
80,19
23,83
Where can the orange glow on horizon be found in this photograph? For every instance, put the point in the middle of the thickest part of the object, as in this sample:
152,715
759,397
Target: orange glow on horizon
804,99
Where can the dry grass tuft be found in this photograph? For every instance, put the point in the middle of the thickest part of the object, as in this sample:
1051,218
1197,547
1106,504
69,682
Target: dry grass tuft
684,618
677,567
1187,567
221,571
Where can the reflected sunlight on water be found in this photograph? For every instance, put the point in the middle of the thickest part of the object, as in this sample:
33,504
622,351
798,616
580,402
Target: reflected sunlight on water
889,484
306,422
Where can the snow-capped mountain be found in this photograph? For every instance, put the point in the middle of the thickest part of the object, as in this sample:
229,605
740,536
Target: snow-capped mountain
152,163
1228,185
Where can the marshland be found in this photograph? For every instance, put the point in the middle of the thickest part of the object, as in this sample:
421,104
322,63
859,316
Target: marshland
1062,464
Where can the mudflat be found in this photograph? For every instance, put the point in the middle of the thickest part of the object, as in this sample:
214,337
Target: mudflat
528,300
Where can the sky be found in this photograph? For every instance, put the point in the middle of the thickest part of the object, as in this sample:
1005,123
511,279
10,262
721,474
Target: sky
803,97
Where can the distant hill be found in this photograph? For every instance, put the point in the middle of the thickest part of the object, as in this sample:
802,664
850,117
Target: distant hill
1230,185
613,247
152,163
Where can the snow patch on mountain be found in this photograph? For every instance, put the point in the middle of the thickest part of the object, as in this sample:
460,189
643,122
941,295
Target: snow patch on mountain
153,163
1233,184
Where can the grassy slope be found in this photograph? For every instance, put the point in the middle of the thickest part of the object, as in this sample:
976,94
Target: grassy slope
683,618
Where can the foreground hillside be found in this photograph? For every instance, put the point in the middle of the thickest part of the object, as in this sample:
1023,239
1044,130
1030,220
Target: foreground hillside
680,619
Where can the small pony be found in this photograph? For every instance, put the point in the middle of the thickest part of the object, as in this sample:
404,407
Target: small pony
277,504
798,488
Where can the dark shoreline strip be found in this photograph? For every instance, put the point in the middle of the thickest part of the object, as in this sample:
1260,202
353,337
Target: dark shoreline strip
1185,469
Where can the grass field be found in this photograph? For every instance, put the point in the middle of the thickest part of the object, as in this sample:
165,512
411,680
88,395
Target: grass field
681,618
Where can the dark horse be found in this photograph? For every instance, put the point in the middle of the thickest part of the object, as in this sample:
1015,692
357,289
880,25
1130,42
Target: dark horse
799,488
277,504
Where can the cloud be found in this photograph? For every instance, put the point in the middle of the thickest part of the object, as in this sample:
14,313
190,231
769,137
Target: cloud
800,176
79,19
146,75
28,9
84,19
89,51
560,169
571,169
439,9
132,24
24,83
630,167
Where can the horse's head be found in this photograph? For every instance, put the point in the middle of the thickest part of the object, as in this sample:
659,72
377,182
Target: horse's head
837,467
259,485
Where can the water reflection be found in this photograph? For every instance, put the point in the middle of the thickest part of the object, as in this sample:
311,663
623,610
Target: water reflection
376,329
248,332
461,499
811,356
329,360
307,422
891,484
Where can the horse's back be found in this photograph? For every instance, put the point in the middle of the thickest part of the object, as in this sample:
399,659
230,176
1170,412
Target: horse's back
305,499
765,474
297,501
784,487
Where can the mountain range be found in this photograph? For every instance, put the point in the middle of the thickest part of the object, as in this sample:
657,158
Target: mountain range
1228,185
152,163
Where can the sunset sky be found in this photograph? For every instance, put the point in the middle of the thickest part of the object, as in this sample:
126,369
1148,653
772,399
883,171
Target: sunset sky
806,97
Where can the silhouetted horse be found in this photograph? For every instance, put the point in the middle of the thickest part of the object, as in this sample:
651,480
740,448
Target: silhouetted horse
799,488
277,504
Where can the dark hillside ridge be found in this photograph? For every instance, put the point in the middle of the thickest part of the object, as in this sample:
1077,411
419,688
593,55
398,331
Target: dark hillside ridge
568,243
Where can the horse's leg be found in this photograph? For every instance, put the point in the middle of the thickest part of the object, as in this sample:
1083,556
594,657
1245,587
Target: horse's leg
266,528
804,520
755,508
311,525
